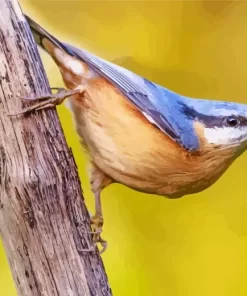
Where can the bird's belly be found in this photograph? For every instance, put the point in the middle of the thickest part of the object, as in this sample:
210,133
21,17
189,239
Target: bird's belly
125,146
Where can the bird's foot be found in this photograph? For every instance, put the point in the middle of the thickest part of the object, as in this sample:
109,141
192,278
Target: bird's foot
93,248
96,224
50,100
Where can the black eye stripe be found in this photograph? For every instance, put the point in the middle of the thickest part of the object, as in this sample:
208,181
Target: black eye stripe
242,120
212,121
222,121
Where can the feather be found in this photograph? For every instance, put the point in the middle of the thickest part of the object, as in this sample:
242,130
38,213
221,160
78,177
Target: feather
160,106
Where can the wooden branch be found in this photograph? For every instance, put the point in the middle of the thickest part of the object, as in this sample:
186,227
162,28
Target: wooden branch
43,220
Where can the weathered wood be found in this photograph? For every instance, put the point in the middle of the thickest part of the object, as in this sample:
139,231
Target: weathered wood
43,220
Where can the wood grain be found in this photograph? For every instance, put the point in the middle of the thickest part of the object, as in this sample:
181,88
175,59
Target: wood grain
43,219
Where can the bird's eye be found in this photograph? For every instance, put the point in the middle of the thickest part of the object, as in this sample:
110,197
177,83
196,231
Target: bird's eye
232,121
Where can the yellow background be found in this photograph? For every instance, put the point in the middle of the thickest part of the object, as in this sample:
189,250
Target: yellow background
196,245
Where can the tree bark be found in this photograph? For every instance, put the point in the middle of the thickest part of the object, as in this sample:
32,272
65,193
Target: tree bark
43,219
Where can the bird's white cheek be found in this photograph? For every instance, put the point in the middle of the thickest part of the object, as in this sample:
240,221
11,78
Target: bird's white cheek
223,136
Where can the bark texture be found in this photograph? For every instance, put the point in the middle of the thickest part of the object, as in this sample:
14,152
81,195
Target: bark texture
43,220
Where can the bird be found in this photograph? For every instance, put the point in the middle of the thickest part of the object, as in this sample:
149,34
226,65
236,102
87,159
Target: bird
138,133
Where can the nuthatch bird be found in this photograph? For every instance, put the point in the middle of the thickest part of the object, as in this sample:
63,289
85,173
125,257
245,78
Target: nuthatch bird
139,133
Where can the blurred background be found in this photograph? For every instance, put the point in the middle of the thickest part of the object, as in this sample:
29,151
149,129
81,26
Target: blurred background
188,247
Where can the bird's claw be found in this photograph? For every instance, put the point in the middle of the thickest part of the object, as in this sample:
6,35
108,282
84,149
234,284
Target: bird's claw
96,224
93,248
49,100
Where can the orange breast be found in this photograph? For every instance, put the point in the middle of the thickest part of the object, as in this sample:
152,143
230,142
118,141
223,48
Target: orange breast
126,146
132,151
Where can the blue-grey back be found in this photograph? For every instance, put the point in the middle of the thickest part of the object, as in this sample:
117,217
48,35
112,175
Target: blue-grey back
159,105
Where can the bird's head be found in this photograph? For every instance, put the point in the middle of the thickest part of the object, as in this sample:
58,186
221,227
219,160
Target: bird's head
224,124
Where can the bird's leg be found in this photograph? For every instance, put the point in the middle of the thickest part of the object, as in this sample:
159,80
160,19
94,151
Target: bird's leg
99,181
97,222
50,100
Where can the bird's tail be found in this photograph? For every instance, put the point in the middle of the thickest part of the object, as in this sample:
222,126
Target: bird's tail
41,36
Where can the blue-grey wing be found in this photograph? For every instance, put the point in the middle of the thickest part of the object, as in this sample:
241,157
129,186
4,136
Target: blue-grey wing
160,106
